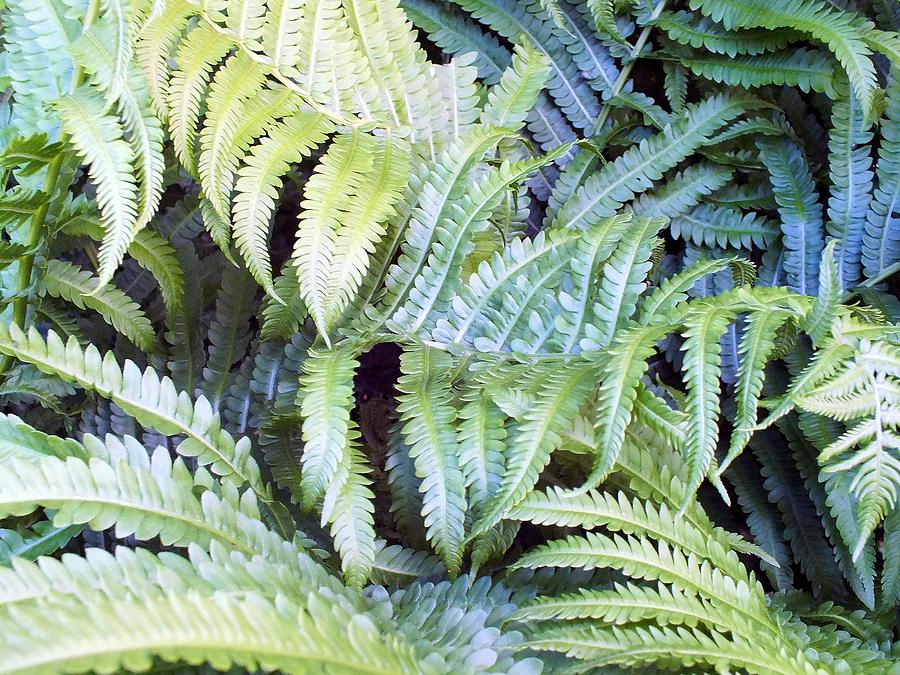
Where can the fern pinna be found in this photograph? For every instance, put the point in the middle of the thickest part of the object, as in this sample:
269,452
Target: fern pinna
472,336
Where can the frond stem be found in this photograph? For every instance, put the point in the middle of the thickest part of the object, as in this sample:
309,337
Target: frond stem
38,218
887,272
626,68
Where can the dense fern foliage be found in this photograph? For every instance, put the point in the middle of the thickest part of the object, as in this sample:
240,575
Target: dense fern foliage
450,336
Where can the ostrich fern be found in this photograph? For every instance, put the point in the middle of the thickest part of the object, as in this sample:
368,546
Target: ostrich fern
472,336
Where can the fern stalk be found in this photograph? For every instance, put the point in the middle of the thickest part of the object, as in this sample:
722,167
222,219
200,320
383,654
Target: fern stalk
36,224
625,73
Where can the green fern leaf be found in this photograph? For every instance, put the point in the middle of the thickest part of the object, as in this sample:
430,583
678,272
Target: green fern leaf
808,70
148,505
336,179
238,79
538,434
509,101
250,632
430,296
326,397
145,134
98,138
280,322
152,401
801,213
428,416
196,56
363,226
617,182
623,365
716,226
80,287
259,180
349,506
843,32
704,325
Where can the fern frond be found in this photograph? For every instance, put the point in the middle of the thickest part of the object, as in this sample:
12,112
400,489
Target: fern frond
403,86
683,191
509,101
890,575
98,138
428,416
156,255
151,501
723,227
395,563
685,29
482,439
843,32
618,513
802,527
155,41
326,397
229,332
223,629
348,506
818,322
80,287
674,290
515,20
850,170
619,181
196,57
482,314
18,205
456,34
674,648
624,604
622,365
37,540
21,441
437,194
37,34
806,69
151,401
128,87
430,296
592,256
363,226
623,279
537,435
882,230
258,183
800,211
336,179
757,343
866,392
238,79
280,322
643,559
405,489
704,325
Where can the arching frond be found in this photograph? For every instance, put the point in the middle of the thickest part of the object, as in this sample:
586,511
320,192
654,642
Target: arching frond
152,401
843,32
258,183
80,287
99,139
619,181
